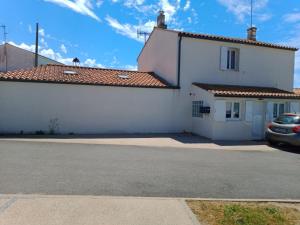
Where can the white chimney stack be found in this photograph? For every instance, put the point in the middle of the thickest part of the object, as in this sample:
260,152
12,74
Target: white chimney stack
161,20
252,33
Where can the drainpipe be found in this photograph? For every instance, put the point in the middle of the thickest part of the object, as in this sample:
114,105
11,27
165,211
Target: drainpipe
179,60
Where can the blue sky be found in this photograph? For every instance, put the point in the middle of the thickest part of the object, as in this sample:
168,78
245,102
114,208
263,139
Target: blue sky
103,32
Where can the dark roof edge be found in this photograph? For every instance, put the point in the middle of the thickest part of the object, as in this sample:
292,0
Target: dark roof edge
234,40
88,84
250,96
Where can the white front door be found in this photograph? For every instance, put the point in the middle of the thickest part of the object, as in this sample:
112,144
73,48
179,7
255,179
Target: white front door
258,120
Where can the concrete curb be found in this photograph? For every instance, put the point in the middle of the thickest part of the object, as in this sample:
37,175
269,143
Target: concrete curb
25,196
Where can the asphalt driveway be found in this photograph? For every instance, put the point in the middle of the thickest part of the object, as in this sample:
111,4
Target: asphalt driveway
81,169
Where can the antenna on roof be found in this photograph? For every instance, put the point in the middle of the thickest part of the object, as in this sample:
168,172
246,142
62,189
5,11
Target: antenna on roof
140,33
36,58
4,33
251,14
5,50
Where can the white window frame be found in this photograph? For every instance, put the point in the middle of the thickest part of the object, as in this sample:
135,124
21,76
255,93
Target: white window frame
226,59
276,105
232,110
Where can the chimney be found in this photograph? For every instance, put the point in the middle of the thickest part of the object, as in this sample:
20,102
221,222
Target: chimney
161,20
252,33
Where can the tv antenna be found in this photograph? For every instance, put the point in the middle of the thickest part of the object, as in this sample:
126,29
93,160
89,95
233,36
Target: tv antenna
251,14
4,33
142,33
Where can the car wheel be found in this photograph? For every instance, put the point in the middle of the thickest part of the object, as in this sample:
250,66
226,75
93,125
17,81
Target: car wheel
272,143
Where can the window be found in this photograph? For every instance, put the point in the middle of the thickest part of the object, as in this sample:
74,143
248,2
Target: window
278,109
232,110
229,58
196,109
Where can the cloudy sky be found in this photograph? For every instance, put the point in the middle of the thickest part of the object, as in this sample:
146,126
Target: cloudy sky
102,33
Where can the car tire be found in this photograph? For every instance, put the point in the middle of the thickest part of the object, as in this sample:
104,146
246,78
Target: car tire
272,143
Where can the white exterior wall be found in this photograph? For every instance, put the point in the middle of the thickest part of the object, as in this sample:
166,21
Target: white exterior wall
160,55
87,109
258,66
203,126
18,58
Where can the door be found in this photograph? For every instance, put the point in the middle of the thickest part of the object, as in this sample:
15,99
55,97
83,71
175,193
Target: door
258,120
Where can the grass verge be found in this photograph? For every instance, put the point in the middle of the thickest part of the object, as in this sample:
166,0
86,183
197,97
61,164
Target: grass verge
244,213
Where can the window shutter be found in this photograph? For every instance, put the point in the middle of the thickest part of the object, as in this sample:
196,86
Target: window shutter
269,112
294,107
249,111
223,58
220,110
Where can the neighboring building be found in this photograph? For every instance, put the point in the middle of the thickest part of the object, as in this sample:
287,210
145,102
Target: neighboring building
15,58
217,87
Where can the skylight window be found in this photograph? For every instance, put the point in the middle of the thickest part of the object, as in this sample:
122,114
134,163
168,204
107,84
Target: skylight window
123,76
70,72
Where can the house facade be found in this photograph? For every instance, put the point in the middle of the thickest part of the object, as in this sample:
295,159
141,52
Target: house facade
15,58
218,87
239,84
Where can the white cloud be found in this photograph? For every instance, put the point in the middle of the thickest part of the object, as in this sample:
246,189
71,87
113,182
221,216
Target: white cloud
42,32
63,48
92,63
99,3
131,67
242,8
292,17
50,53
84,7
129,30
187,5
168,8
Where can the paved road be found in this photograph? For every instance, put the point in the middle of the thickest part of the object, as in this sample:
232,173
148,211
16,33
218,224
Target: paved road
78,169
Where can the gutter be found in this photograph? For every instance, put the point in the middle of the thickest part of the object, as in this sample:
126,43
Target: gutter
179,60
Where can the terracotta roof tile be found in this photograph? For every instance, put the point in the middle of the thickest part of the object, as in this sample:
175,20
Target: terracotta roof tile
297,91
86,75
247,91
232,40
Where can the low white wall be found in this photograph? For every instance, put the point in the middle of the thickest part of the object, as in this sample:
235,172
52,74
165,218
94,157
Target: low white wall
86,109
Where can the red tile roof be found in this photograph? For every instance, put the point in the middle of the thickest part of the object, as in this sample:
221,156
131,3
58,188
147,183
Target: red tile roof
232,40
297,90
247,91
86,75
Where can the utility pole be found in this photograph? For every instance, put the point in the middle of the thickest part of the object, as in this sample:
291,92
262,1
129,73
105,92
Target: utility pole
5,48
36,45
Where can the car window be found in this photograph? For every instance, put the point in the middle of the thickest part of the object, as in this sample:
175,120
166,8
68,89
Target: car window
288,119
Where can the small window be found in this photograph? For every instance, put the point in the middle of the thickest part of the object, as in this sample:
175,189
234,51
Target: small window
232,110
229,58
197,109
278,109
232,54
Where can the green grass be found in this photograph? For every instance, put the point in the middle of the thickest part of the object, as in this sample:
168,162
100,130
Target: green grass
230,213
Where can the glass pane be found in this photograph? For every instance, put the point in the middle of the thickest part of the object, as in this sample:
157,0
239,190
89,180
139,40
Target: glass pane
275,108
236,110
228,109
232,59
281,109
228,59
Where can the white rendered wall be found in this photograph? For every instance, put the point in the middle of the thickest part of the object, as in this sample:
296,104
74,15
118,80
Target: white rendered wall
258,66
18,58
87,109
160,55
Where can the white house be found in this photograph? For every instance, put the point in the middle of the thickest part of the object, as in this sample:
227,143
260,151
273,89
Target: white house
15,58
217,87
